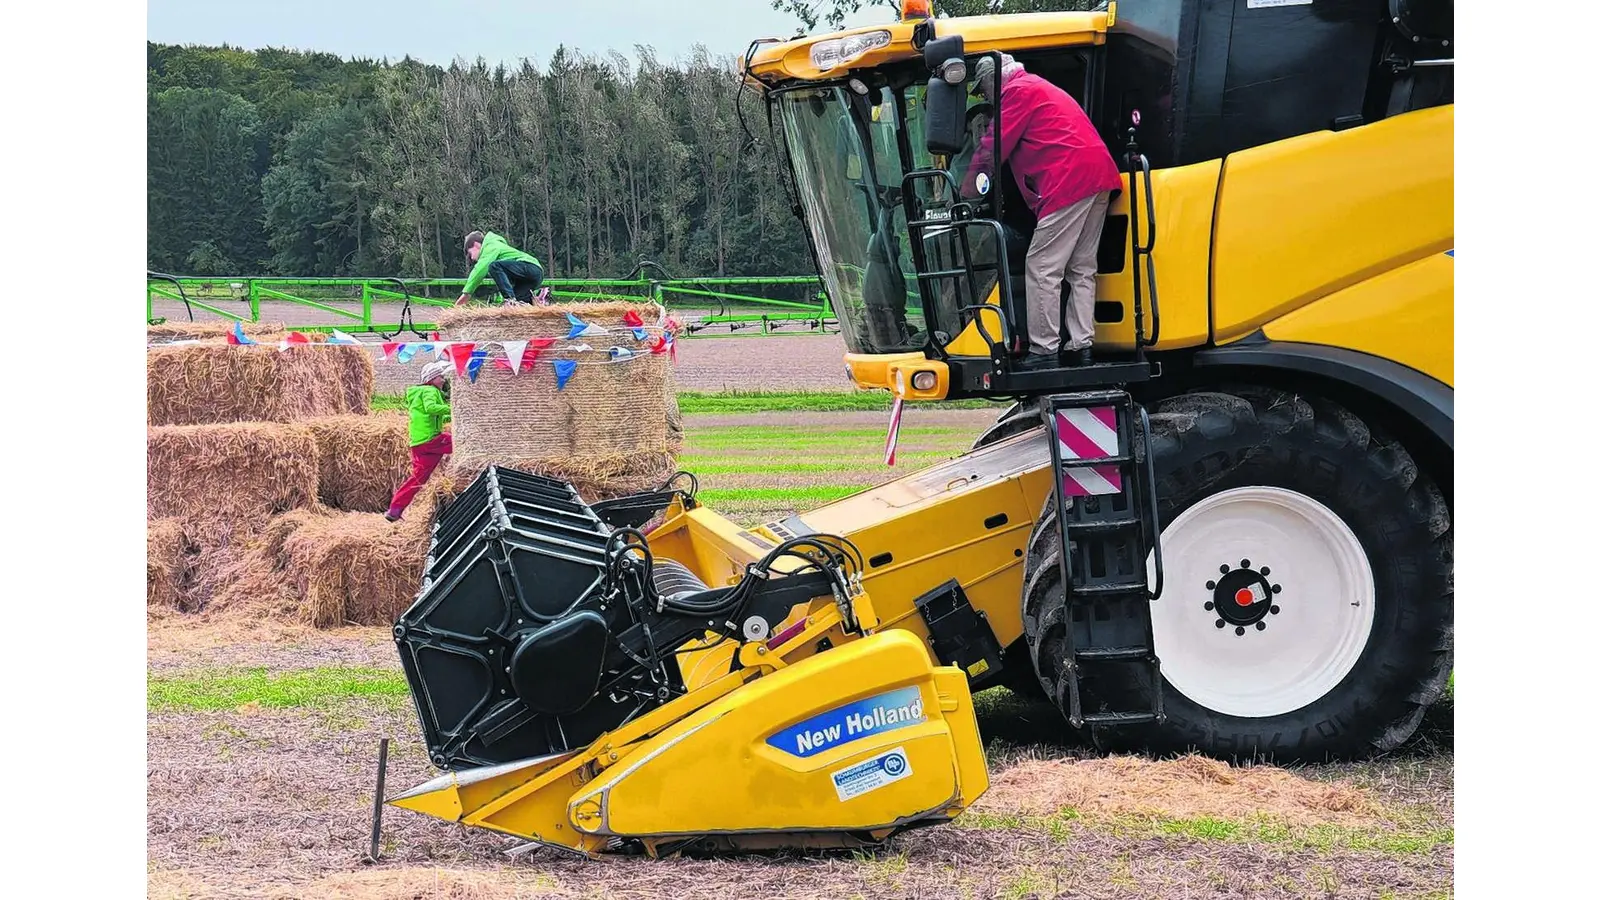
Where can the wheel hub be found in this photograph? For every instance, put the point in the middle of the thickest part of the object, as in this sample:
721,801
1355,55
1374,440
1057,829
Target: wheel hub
1243,598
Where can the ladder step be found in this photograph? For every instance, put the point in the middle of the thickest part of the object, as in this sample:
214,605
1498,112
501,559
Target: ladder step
1099,525
1119,460
1105,590
1119,718
1108,654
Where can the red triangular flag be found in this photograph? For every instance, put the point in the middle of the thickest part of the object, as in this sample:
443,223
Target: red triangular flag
389,349
535,347
296,337
434,336
460,353
631,319
660,346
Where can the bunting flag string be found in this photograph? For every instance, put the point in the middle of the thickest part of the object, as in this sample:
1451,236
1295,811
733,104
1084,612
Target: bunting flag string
389,347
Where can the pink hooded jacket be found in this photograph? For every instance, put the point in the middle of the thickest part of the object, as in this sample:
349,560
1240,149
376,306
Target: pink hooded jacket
1056,156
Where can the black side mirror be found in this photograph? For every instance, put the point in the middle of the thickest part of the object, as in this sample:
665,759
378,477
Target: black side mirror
945,118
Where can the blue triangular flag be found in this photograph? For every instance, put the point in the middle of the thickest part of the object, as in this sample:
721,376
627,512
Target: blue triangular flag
638,334
474,363
621,353
405,353
239,335
564,370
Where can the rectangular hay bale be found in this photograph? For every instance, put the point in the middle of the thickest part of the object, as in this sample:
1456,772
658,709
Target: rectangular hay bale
361,460
207,383
166,563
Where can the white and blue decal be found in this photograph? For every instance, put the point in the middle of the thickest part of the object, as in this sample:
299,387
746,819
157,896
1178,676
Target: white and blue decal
869,775
840,726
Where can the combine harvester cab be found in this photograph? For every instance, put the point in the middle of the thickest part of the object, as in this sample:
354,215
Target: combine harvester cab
542,654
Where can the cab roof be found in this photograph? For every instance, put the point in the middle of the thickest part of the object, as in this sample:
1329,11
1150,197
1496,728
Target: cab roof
774,62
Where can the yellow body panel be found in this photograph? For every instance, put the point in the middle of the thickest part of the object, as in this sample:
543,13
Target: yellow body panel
792,59
1406,315
741,765
1303,218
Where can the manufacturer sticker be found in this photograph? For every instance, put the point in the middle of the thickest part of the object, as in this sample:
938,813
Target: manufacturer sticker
840,726
983,182
869,775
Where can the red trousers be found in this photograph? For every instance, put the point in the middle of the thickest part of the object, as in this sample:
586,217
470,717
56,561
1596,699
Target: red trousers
425,457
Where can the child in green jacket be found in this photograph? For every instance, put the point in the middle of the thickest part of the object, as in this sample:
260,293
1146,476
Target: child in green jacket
430,443
517,274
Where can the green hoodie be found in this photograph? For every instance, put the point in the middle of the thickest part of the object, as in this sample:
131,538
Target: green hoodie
494,249
429,412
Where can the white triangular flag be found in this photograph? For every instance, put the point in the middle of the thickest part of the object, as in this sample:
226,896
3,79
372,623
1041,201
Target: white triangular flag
580,348
514,351
340,337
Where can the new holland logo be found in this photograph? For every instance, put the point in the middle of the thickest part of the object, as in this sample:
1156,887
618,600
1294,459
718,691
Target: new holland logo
840,726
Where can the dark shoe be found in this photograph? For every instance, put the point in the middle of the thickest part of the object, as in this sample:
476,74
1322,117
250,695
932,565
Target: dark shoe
391,518
1035,361
1077,358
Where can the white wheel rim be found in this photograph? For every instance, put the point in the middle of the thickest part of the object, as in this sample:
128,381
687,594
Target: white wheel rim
1325,602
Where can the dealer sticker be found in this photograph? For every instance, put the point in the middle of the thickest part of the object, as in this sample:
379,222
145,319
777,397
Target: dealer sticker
869,775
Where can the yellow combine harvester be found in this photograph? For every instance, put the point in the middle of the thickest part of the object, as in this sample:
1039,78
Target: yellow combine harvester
1231,531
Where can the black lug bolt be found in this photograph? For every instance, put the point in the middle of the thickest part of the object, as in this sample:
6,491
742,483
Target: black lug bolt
1261,626
1244,563
1210,606
1274,610
1223,568
1221,624
1239,630
1277,589
1266,570
1211,585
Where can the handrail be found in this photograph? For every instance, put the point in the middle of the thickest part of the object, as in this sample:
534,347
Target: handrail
338,296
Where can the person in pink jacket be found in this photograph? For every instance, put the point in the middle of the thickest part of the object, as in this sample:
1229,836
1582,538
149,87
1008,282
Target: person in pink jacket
1066,175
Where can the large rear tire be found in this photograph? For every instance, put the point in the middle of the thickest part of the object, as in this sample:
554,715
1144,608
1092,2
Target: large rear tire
1334,548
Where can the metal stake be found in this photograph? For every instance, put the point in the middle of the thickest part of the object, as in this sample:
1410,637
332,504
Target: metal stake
377,798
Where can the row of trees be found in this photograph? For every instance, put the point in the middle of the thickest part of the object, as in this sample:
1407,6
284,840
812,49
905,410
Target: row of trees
296,163
305,164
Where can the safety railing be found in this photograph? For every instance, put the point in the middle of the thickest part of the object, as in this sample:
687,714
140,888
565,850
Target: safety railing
727,306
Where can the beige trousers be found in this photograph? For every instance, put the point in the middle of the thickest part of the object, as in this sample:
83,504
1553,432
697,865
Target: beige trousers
1065,247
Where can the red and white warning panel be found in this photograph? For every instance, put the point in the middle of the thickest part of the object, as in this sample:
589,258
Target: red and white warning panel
1088,434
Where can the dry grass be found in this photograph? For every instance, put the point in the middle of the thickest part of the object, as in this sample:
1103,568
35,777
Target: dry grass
1188,787
210,382
360,459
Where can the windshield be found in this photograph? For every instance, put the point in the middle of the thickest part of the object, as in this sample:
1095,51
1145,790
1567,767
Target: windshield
850,153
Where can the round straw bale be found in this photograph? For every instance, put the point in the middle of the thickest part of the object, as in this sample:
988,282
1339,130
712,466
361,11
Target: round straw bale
361,459
205,383
166,563
608,425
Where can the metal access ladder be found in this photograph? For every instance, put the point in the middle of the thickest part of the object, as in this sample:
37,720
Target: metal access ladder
1105,497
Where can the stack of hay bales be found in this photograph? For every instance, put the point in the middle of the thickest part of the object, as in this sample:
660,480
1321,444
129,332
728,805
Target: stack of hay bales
266,472
607,430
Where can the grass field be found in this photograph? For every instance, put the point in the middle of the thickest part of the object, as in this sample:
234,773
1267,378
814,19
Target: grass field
262,749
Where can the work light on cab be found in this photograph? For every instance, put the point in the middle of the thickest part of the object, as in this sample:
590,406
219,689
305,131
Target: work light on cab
832,54
912,10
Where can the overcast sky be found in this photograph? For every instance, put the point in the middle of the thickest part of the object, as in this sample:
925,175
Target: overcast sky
438,31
